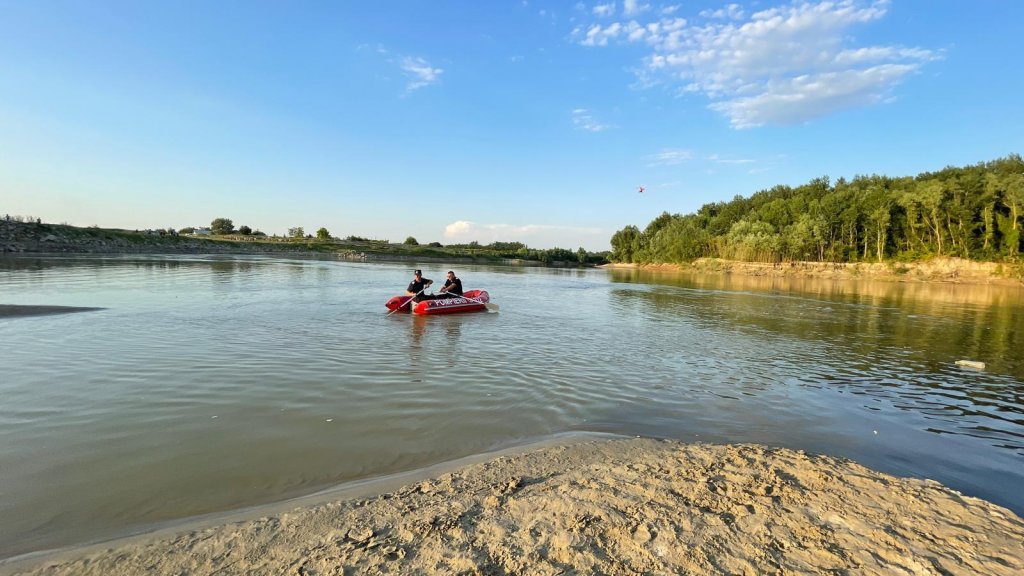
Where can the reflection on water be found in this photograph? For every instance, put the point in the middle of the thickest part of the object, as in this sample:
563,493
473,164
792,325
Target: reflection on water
903,356
213,383
945,320
861,290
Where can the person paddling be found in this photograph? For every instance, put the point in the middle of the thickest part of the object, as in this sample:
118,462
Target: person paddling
453,287
418,285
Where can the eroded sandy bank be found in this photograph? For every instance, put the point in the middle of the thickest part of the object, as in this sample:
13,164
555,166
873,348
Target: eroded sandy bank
948,270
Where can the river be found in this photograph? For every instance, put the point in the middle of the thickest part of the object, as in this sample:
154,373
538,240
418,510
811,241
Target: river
207,384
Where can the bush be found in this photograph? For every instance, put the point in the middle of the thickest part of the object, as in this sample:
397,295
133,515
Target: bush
222,226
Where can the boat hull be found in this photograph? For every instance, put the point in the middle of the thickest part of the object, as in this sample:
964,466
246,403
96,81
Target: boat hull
471,301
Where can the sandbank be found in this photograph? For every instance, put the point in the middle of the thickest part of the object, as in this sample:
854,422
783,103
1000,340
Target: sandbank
624,506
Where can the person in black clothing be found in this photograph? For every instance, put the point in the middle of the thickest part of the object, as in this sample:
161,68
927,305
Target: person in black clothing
453,287
418,285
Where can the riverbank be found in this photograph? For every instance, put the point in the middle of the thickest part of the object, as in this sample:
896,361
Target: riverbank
38,238
950,270
28,238
610,506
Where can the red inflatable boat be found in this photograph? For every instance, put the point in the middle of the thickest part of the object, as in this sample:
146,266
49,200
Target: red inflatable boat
470,301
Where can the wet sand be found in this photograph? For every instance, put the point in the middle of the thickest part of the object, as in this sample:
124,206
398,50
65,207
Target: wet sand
626,506
13,310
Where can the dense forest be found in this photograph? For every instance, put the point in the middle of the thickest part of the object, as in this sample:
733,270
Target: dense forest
973,212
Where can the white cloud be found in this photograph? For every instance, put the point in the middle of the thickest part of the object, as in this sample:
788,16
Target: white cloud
598,36
583,120
420,73
631,8
730,12
533,235
719,160
783,65
669,157
604,10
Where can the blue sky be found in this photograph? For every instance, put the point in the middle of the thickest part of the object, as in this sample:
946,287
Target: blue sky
466,120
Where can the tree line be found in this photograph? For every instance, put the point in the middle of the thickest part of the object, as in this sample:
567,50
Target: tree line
973,212
520,251
510,250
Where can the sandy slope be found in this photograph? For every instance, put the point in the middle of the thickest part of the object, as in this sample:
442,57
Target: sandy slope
936,270
614,507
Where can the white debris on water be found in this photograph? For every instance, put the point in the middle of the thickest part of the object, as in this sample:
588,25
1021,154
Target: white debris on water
973,364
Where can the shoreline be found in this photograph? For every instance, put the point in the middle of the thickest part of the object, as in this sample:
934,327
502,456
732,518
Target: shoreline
585,505
936,270
351,490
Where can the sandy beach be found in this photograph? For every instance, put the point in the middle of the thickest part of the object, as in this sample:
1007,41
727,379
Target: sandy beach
630,506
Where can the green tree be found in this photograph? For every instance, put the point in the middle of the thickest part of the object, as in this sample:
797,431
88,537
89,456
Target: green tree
1013,199
799,238
297,232
932,195
411,241
244,230
323,234
624,244
222,226
972,211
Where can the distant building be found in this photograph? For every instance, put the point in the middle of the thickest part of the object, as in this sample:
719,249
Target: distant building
201,232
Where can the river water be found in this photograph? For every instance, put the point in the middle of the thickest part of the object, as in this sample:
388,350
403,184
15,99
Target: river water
209,384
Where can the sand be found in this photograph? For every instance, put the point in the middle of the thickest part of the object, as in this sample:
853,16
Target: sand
633,506
940,270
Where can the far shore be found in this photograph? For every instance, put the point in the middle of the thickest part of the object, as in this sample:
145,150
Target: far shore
947,270
620,506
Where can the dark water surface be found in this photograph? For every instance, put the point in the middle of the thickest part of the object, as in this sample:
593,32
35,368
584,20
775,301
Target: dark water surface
207,384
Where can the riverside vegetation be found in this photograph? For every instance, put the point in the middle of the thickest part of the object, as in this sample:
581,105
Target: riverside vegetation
973,213
968,214
32,235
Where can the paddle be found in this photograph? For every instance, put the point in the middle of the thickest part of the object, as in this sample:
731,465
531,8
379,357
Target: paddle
488,305
409,301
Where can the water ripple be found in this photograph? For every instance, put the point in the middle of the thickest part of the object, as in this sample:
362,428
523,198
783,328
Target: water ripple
210,383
